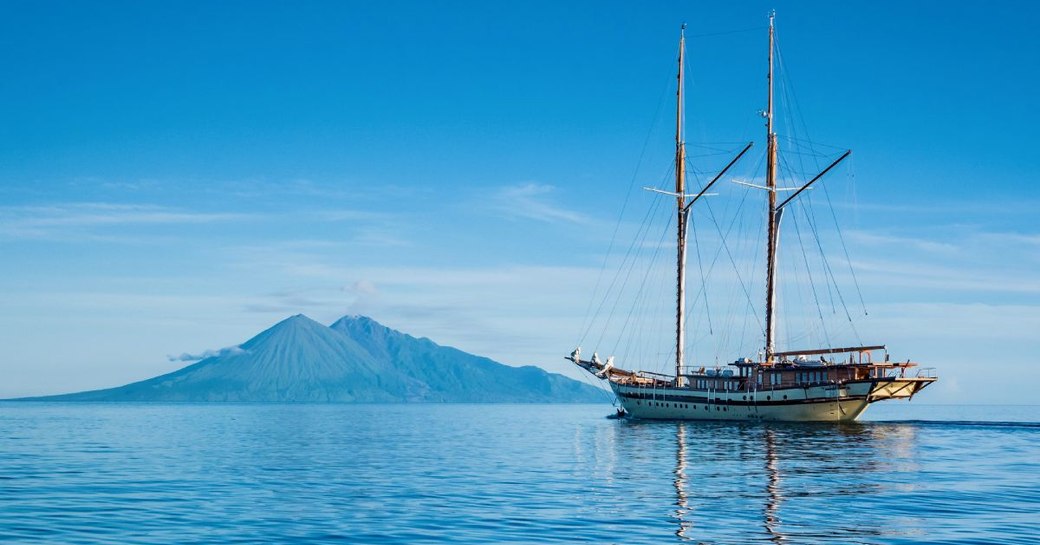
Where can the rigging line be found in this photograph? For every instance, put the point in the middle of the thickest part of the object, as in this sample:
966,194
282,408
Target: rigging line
728,254
641,299
812,224
704,283
753,223
643,229
707,143
726,32
827,268
832,286
641,292
812,153
607,394
741,219
718,253
807,140
644,304
636,336
812,282
642,340
628,275
795,111
844,248
729,229
631,185
714,146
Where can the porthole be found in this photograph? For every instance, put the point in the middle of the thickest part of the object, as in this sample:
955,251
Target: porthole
785,397
745,398
768,398
725,408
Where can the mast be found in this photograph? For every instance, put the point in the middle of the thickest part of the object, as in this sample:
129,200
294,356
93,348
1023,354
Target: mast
773,218
683,214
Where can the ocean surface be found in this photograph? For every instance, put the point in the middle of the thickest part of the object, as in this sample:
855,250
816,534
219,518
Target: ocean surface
147,473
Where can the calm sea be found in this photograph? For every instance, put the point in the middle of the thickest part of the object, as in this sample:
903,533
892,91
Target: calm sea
141,473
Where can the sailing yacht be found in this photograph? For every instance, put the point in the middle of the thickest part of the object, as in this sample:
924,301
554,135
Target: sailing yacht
808,384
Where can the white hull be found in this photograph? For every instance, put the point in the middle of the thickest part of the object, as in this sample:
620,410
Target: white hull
811,404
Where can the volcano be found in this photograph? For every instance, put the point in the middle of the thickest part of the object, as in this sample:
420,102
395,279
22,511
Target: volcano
356,360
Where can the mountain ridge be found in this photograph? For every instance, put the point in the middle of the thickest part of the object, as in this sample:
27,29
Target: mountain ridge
354,360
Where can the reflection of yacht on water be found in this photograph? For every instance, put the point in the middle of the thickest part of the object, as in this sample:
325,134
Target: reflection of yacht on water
682,501
771,518
814,384
789,476
684,511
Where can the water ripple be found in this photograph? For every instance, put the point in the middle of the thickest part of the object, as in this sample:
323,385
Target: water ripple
146,474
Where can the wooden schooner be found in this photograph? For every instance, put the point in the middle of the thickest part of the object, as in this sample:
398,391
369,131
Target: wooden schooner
812,384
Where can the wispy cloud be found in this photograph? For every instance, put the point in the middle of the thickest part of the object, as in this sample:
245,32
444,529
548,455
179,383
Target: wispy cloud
115,222
229,351
902,242
53,220
348,215
534,201
319,300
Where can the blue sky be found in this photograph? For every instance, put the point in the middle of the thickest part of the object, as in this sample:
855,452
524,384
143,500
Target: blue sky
175,177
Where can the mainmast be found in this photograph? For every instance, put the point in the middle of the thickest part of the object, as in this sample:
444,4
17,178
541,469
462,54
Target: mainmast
683,214
774,214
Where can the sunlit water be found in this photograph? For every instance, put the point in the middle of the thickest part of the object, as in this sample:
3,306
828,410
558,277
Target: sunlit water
139,473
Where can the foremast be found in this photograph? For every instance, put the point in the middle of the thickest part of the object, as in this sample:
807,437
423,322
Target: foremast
683,216
684,202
